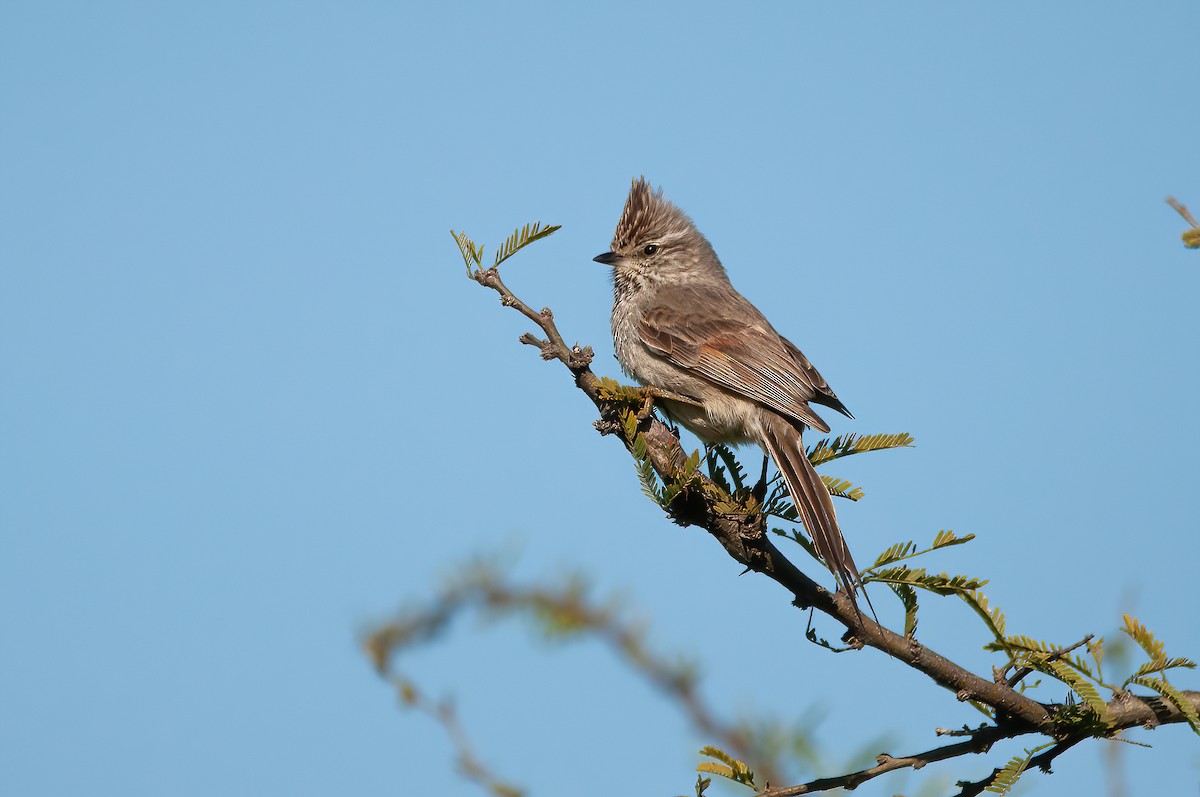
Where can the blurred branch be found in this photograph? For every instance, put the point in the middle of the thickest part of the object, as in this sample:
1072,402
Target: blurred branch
444,715
560,612
1191,238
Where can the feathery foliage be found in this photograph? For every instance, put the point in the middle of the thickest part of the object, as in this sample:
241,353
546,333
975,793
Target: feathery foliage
736,474
1168,691
1080,685
1144,637
993,618
940,583
1006,778
908,550
472,255
801,539
841,488
521,238
826,450
908,599
729,767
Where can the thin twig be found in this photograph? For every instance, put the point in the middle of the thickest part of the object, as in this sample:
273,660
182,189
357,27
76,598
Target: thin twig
444,715
980,742
1054,656
1042,761
1182,210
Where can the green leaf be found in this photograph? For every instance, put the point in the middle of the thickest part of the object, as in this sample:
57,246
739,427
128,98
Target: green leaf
631,425
945,538
1162,664
736,474
908,550
1144,637
993,617
1007,777
1019,642
649,480
521,238
1080,685
471,254
730,767
908,597
801,539
1096,649
896,553
941,583
843,446
840,488
1173,695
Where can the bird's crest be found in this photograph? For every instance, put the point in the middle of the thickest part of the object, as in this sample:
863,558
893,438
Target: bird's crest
648,215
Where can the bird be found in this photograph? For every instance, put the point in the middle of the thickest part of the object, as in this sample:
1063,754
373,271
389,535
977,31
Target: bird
679,326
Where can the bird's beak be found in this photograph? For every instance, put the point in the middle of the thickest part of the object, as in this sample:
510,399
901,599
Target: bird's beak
608,258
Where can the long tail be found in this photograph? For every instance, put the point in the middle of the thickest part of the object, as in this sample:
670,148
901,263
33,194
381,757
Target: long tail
813,502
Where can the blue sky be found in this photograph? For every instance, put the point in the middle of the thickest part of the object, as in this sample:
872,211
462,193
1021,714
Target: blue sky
251,406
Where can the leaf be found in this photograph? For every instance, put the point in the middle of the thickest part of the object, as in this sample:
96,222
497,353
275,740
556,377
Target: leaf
730,767
1080,685
631,425
993,617
840,488
1144,637
1007,777
945,538
800,539
843,446
908,550
908,597
646,476
471,255
734,467
1174,696
896,553
940,583
1020,642
1162,664
1096,649
521,238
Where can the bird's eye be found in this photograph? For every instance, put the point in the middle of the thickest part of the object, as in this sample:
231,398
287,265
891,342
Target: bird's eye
650,249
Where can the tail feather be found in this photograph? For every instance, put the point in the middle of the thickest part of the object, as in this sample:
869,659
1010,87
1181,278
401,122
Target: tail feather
813,502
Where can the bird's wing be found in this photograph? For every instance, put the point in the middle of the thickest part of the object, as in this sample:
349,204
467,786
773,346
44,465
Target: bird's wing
824,393
720,336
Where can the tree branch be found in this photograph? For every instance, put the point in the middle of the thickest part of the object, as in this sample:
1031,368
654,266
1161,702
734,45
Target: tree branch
744,537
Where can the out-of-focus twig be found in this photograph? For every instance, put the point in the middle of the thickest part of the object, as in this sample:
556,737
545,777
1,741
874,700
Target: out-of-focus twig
443,713
561,612
1191,238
